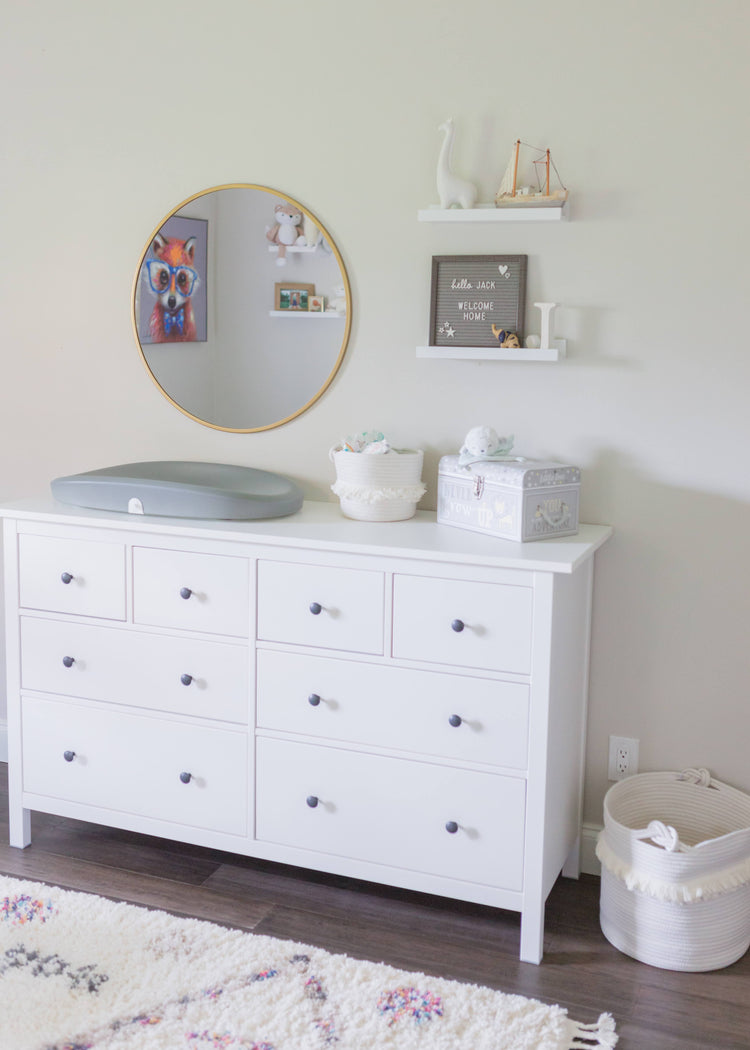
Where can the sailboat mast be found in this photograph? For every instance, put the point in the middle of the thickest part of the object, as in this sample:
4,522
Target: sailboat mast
547,189
515,165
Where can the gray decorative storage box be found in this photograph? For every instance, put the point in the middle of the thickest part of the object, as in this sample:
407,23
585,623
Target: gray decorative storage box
513,499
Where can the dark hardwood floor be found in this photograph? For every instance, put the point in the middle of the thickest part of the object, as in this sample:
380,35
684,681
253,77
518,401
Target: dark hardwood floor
654,1009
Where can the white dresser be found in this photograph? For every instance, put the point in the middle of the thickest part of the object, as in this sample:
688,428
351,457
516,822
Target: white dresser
402,702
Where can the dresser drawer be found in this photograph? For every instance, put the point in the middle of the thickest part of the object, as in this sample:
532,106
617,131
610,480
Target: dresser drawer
134,764
163,673
392,811
466,719
321,606
64,575
464,623
194,592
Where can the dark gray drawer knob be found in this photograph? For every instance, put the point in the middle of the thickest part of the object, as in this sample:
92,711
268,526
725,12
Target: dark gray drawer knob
69,755
186,777
455,721
66,577
458,626
185,592
68,661
312,801
186,679
313,699
451,827
315,608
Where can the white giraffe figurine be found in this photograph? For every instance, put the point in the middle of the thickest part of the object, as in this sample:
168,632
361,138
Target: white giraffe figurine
452,189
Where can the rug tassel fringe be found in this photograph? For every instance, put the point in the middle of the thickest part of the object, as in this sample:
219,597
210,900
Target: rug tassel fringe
591,1036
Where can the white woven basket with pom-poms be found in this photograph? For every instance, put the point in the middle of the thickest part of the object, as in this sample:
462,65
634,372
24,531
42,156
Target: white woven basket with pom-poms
379,487
675,855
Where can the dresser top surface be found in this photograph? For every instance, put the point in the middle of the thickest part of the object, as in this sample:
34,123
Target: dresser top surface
322,526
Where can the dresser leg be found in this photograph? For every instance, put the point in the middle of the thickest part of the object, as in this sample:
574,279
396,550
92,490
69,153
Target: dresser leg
532,934
20,827
572,866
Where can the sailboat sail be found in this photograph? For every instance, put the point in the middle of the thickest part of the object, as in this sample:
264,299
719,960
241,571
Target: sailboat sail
507,186
509,194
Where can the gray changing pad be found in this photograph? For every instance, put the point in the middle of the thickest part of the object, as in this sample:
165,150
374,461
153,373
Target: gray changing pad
182,490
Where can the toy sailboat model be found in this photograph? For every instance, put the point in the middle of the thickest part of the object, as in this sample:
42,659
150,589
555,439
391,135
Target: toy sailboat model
511,195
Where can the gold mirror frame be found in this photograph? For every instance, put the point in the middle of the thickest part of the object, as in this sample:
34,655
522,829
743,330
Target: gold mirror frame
136,309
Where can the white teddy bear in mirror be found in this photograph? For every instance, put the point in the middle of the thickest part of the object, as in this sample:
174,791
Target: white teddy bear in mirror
338,303
285,230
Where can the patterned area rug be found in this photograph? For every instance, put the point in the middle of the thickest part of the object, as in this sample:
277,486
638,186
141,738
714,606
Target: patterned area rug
78,972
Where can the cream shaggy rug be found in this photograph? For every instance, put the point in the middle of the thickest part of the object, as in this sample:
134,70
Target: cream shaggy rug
78,972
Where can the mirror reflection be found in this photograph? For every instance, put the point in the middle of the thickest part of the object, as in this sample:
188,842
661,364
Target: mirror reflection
241,308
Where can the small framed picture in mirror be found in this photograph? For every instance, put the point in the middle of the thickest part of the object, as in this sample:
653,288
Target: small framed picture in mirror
317,304
293,296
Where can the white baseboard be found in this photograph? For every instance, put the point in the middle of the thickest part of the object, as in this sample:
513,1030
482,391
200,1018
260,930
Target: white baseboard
589,861
3,740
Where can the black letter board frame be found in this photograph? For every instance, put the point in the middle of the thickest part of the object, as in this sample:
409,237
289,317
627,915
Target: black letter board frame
471,293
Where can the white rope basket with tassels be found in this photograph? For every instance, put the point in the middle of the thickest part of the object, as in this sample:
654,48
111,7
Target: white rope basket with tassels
675,855
378,487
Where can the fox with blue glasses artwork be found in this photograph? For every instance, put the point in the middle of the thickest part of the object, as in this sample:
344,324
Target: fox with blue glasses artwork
173,279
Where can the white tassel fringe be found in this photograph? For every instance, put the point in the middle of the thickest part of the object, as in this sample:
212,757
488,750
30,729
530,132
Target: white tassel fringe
369,494
591,1036
705,887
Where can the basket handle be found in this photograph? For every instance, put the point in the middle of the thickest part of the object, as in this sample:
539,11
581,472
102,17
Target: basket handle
700,776
663,835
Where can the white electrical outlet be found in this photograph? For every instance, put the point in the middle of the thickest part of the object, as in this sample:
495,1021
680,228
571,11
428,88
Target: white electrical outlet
623,757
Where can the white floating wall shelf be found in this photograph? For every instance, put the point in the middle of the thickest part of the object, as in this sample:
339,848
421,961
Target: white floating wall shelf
521,355
489,213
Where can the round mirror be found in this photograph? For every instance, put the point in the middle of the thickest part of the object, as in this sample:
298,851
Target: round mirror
241,308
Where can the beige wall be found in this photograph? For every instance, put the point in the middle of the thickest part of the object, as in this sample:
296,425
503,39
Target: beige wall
115,113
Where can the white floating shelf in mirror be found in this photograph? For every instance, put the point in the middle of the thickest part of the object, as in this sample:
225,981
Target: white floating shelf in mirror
521,355
489,213
330,314
300,248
